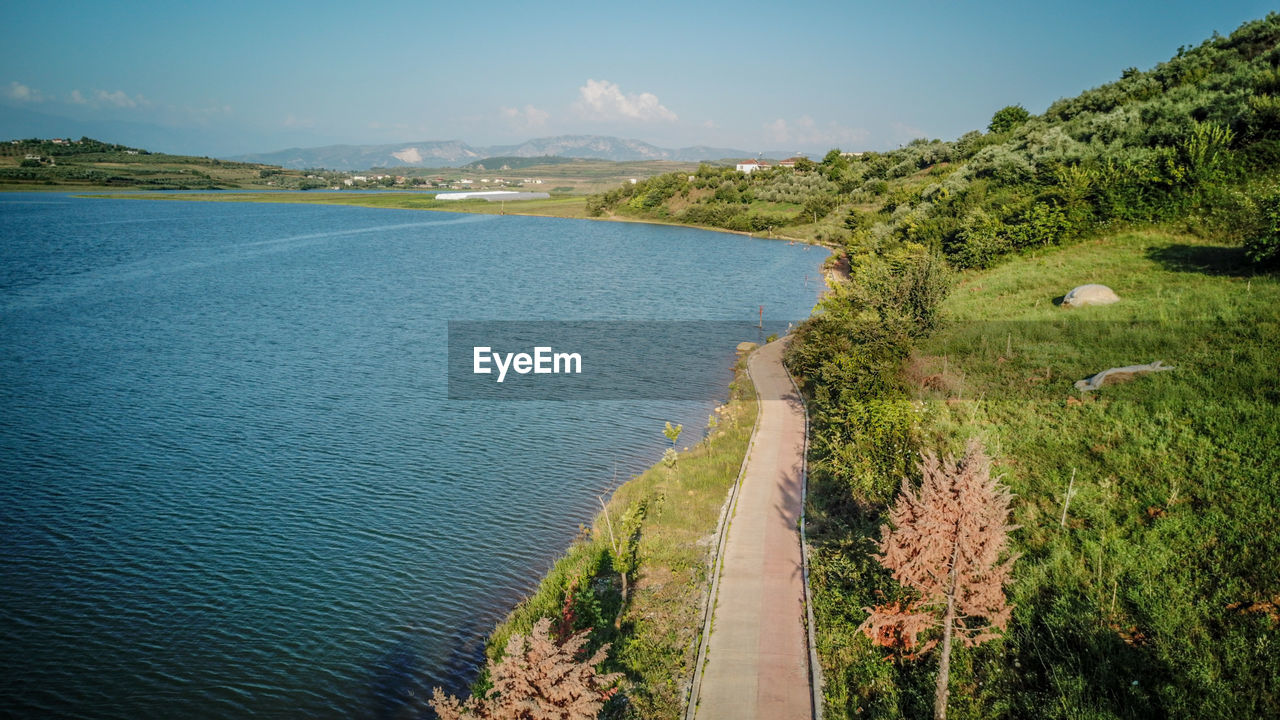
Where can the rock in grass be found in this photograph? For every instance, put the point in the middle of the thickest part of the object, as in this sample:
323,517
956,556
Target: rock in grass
1090,295
1112,376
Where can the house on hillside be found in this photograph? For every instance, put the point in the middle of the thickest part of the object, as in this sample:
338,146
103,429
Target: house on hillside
791,162
750,166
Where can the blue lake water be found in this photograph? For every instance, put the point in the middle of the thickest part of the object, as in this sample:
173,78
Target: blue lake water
231,482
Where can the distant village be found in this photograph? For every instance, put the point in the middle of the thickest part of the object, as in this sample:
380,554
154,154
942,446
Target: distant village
382,180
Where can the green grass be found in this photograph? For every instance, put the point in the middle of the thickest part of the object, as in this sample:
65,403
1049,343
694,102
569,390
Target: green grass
1160,594
656,644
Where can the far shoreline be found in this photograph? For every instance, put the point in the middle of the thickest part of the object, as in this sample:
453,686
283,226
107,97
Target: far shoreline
413,201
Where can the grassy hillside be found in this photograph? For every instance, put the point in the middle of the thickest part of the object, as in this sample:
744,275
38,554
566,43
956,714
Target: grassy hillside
1159,594
1149,579
35,163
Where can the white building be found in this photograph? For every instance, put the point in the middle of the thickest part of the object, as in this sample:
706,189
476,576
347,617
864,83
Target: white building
750,166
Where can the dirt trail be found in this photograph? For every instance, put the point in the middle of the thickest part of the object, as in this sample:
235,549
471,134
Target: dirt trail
757,662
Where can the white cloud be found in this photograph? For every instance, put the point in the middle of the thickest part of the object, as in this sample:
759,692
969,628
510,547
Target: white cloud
603,100
22,93
101,98
525,118
805,131
119,99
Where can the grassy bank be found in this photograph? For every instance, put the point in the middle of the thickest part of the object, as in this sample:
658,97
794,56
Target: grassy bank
563,206
655,641
571,206
1151,588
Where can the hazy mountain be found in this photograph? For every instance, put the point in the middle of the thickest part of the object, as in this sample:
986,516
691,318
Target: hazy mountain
455,152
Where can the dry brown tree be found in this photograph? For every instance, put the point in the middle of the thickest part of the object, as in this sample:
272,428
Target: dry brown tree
537,679
945,541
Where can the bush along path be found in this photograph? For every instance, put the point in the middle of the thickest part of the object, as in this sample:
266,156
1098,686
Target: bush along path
757,660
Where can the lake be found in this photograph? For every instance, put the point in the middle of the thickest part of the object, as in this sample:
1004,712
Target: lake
232,479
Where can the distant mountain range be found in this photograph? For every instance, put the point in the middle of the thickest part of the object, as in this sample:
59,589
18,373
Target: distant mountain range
452,153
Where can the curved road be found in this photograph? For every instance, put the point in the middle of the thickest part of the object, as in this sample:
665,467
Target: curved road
757,662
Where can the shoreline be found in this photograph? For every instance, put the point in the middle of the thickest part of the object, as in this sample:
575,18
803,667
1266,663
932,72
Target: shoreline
476,208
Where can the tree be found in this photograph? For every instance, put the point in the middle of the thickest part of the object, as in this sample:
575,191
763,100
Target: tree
670,457
945,542
854,220
834,158
537,680
672,432
1008,118
818,206
624,551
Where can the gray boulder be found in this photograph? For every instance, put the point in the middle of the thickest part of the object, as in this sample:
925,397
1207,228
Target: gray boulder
1089,295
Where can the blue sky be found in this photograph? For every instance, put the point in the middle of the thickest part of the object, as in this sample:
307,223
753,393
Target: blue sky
223,78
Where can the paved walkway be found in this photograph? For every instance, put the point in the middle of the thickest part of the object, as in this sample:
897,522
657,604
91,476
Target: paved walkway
758,655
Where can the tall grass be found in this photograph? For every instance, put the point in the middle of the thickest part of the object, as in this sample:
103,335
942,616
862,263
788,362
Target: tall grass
1156,591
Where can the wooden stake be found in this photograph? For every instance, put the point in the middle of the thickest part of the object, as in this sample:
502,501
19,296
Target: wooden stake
1070,490
609,524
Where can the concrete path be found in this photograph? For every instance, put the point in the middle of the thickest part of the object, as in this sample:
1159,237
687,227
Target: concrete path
758,654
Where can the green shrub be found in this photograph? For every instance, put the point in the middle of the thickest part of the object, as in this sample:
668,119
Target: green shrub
982,239
1263,247
1008,118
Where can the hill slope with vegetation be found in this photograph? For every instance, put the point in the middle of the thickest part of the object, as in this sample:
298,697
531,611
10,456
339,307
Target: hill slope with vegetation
41,163
1146,582
1194,139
